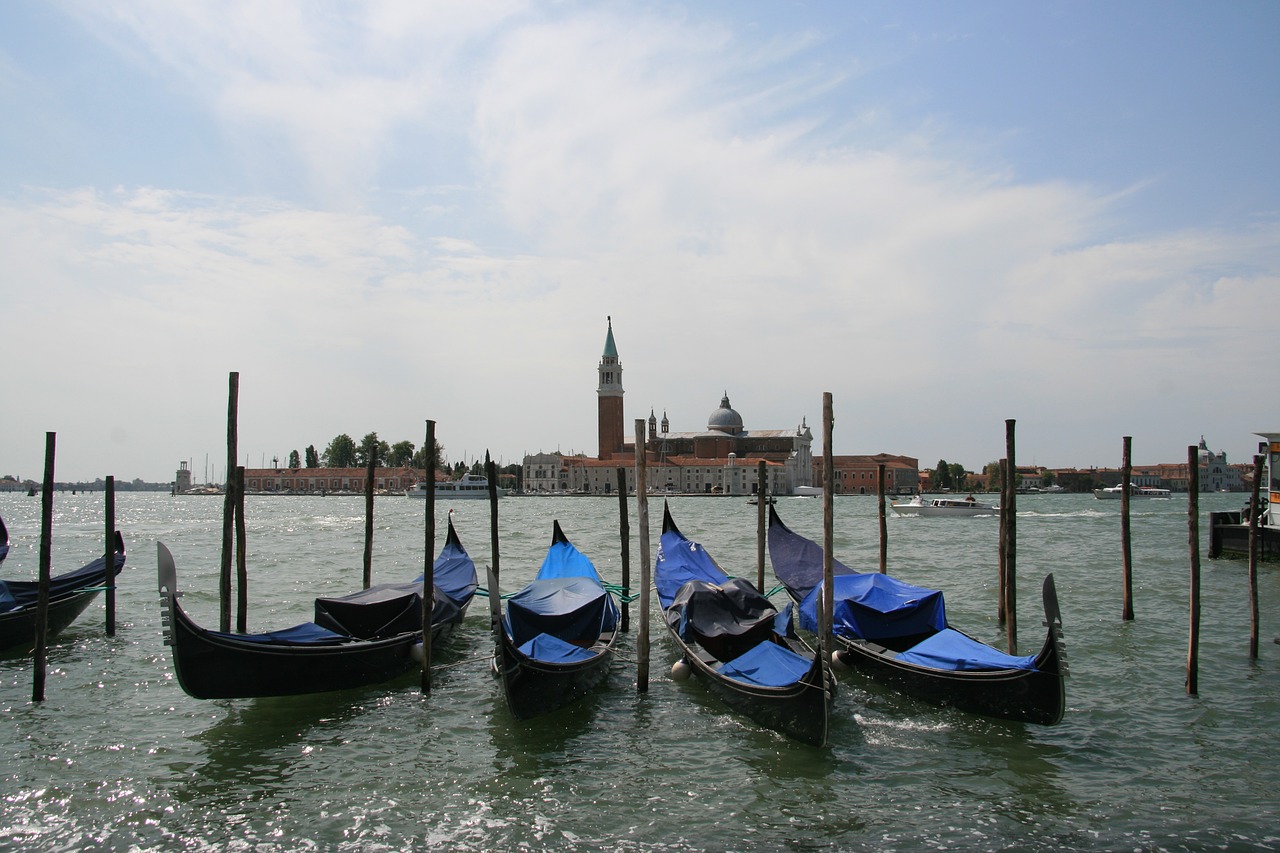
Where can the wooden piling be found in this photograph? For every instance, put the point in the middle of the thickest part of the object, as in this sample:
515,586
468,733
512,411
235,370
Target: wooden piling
1001,543
646,565
242,571
109,555
826,640
884,527
1254,543
1193,540
624,534
368,515
495,590
1126,479
46,561
228,505
762,499
429,556
1011,540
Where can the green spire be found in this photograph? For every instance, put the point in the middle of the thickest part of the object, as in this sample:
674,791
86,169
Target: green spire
610,350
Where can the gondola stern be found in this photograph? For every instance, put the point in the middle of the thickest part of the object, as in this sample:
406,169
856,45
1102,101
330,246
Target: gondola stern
557,534
668,523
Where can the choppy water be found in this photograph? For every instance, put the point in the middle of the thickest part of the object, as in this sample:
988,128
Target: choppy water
119,758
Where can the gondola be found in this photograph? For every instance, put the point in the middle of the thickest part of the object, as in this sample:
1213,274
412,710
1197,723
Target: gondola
555,642
356,640
738,644
69,595
898,634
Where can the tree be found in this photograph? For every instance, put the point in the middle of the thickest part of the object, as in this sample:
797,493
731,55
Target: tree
958,476
341,453
313,458
942,475
420,458
294,460
401,454
371,447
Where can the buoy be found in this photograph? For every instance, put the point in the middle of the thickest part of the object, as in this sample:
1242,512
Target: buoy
838,663
415,652
680,670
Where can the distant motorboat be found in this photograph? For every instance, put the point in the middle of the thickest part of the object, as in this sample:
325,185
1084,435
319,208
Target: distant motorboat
1115,493
954,507
470,486
807,491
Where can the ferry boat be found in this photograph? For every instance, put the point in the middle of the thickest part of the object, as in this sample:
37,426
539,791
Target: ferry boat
1114,493
1229,531
470,486
944,507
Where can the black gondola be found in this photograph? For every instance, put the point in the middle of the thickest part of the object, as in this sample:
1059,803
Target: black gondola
555,642
69,595
898,634
357,640
738,644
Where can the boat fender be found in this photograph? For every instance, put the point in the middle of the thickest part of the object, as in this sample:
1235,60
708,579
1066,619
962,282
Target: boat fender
680,670
415,652
838,663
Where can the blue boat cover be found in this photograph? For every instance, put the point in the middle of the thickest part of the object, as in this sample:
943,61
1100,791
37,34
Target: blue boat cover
549,649
16,594
873,606
951,650
769,665
797,561
680,561
306,634
454,573
565,561
575,609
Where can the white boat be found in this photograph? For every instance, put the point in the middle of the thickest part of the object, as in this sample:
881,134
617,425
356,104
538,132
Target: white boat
807,491
470,486
1114,493
955,507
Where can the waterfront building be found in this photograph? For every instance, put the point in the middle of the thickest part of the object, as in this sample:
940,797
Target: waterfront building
858,475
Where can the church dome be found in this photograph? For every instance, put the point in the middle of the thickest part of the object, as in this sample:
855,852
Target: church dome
725,419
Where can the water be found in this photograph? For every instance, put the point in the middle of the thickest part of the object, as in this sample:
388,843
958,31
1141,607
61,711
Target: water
119,758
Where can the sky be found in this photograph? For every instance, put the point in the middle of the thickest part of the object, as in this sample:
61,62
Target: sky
946,215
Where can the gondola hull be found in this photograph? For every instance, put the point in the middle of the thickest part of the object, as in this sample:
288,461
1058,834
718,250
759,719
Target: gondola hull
533,688
367,638
210,665
800,711
1032,695
69,596
731,625
1027,696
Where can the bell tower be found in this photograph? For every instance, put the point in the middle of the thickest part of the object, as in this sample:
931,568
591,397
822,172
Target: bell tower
609,399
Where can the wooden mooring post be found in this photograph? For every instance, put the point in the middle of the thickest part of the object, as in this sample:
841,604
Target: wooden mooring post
46,561
109,555
368,514
1254,543
826,640
1193,539
646,565
228,505
624,534
1011,539
884,527
428,595
1001,543
1126,550
242,571
762,500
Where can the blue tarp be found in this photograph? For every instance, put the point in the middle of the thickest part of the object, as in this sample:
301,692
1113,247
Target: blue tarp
949,649
27,593
308,633
576,609
680,561
549,649
873,606
7,601
454,573
565,561
769,665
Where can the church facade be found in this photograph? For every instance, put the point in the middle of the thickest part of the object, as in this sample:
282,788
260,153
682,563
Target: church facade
724,458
